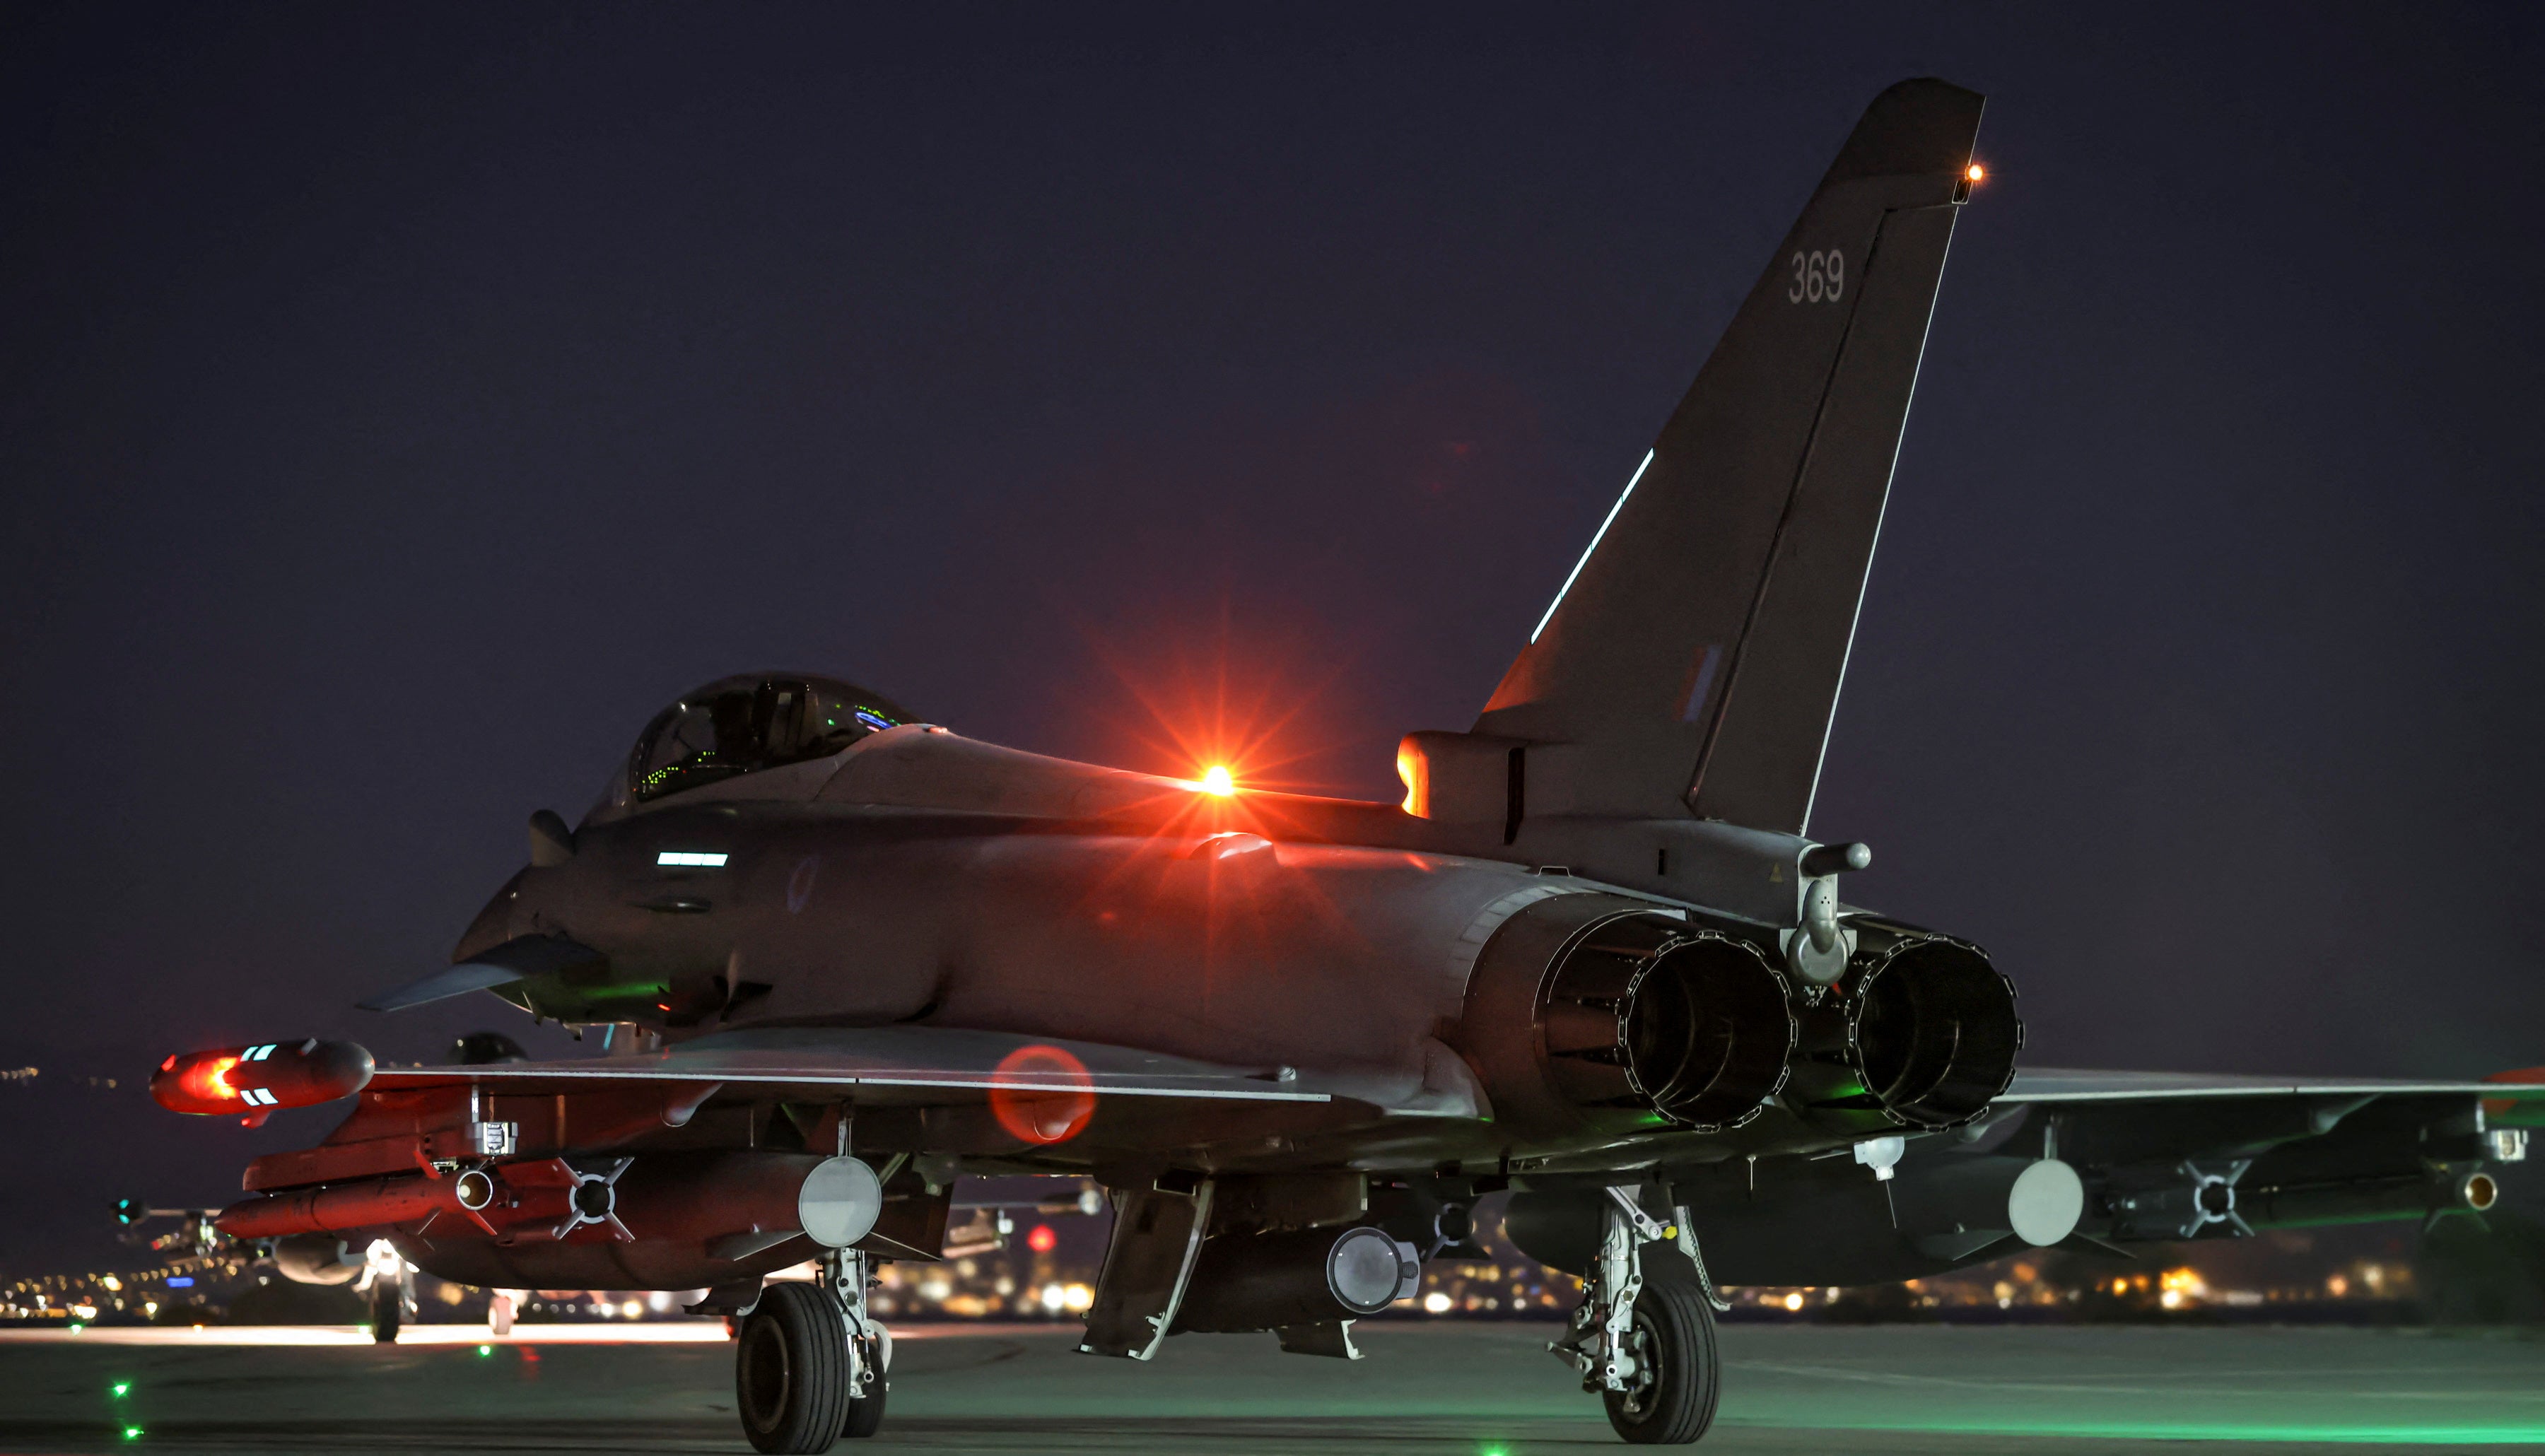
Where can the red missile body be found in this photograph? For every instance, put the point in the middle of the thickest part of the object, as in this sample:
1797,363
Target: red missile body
256,1080
372,1203
493,1202
723,1206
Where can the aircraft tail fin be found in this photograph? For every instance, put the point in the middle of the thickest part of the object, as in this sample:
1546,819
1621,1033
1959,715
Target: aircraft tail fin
1691,662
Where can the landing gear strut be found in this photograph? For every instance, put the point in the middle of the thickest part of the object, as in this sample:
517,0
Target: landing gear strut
809,1365
1643,1337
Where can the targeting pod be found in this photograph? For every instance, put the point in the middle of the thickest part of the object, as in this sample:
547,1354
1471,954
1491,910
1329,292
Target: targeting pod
317,1259
1304,1276
256,1080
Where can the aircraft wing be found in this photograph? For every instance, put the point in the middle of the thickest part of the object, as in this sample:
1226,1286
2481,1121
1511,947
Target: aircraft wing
2066,1085
888,1065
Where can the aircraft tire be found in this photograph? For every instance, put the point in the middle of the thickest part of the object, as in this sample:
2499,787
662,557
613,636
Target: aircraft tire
791,1371
388,1309
866,1415
1680,1375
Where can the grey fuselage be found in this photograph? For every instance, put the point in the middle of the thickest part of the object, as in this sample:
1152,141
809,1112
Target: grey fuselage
921,878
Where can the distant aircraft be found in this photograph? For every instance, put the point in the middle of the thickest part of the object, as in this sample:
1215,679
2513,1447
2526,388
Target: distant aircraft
1595,959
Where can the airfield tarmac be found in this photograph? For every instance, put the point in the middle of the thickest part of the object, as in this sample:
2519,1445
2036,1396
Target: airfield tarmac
1475,1390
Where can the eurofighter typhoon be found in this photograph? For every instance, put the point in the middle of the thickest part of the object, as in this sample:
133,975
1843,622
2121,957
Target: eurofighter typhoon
1594,960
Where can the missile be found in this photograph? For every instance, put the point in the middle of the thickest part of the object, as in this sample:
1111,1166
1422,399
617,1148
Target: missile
336,1208
256,1080
730,1205
2418,1195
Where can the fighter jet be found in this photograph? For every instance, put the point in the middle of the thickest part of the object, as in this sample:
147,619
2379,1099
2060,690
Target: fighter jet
839,958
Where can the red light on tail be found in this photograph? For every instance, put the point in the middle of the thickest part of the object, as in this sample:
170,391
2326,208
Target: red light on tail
256,1080
1041,1094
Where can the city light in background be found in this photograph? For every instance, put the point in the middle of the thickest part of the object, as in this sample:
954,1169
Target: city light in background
1046,1271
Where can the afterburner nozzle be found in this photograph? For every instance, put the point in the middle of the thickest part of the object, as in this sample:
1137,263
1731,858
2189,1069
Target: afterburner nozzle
1692,1025
1590,1011
1921,1032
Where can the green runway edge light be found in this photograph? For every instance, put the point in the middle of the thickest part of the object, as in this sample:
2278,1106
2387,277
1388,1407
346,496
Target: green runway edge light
486,1350
132,1432
123,1388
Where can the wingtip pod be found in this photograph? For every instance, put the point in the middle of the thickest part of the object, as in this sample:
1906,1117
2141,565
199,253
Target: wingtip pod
255,1080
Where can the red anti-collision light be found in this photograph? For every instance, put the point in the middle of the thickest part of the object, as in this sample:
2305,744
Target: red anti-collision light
1041,1094
256,1080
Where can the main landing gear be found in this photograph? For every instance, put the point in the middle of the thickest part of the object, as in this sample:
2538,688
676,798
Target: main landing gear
392,1294
388,1307
1643,1337
809,1365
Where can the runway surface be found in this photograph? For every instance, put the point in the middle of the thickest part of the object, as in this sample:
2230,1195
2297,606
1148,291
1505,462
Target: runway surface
1476,1390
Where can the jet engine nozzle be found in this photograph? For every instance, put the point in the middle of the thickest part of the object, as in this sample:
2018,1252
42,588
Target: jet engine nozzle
1590,1009
1691,1024
256,1080
1921,1032
1303,1276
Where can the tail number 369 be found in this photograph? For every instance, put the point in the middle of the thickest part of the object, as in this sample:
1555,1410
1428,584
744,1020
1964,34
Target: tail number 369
1818,278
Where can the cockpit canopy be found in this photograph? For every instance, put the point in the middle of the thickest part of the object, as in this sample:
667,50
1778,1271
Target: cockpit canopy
759,720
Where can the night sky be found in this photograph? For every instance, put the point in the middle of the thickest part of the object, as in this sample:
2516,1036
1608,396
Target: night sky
400,404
